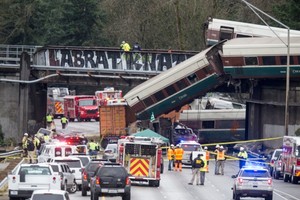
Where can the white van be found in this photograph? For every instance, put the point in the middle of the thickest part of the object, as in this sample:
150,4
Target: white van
188,147
50,151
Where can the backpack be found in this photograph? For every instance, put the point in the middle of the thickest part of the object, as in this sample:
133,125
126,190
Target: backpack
30,145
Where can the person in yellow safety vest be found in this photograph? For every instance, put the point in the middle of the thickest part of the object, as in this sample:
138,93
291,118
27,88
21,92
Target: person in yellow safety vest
46,138
24,144
171,157
125,46
64,122
207,157
49,120
243,156
93,148
203,170
221,160
178,157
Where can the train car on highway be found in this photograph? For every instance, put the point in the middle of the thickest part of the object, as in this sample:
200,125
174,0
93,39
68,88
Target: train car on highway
258,58
177,86
216,125
217,30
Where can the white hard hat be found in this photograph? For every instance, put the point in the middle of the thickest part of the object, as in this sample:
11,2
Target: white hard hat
205,148
221,147
25,134
123,42
172,145
177,145
242,148
217,146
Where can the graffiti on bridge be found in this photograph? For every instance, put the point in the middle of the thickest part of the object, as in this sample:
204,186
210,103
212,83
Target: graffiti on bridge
111,60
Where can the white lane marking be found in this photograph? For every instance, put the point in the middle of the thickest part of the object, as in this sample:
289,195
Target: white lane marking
278,191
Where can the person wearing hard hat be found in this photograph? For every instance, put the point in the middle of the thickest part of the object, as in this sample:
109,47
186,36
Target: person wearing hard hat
178,157
171,156
216,152
243,156
24,144
221,160
207,156
125,46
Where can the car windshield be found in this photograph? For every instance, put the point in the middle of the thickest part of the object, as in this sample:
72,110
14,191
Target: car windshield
92,167
255,173
35,170
71,163
84,160
48,197
190,147
113,172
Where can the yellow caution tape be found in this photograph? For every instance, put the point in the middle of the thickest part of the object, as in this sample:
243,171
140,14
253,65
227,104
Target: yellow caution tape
242,141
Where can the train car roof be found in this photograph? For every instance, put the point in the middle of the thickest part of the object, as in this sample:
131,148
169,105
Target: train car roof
263,46
153,83
245,28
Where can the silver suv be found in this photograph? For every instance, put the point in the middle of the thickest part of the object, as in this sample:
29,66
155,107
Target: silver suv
253,182
68,178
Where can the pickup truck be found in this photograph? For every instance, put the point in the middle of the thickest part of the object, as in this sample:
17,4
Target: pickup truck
30,177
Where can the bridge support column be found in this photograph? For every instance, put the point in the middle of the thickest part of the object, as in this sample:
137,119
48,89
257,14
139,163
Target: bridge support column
24,93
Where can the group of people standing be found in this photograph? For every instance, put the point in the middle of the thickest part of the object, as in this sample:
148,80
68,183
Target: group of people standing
31,145
126,47
175,156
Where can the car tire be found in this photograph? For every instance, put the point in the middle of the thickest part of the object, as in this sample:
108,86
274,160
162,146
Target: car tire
237,197
83,191
65,186
73,188
286,178
269,197
95,196
294,179
126,196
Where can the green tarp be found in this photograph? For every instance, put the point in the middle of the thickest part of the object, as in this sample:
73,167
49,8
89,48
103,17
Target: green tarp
151,134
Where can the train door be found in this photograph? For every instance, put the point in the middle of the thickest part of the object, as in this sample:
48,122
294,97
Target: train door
226,33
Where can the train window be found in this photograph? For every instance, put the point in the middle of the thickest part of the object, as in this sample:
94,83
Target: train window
251,61
242,36
283,60
181,84
148,101
208,124
269,60
159,96
170,90
226,33
192,78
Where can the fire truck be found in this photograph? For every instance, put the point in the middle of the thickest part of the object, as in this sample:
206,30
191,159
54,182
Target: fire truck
81,107
55,101
291,159
142,158
109,97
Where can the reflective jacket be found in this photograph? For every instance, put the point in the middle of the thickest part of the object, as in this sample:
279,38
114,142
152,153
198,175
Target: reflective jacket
49,118
243,154
204,168
171,154
64,120
178,153
220,155
93,146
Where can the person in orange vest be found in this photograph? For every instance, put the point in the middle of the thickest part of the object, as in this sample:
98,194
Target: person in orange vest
178,157
221,160
207,156
171,157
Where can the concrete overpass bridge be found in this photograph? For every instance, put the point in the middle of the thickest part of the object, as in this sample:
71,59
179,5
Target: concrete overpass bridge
27,71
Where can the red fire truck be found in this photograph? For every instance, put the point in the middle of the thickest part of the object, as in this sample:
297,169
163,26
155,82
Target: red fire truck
109,97
142,157
81,107
291,159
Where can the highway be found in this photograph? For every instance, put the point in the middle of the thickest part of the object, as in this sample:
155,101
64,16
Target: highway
174,185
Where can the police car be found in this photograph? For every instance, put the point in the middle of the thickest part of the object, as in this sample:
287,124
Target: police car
253,181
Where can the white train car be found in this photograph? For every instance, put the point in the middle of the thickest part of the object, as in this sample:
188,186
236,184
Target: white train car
216,125
219,29
177,86
256,58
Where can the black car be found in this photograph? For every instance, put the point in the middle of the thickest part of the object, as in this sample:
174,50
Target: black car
111,179
89,171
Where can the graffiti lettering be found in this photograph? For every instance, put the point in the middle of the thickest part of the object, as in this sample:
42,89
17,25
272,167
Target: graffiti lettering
112,60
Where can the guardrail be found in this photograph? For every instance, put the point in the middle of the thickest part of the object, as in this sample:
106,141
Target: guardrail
3,183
